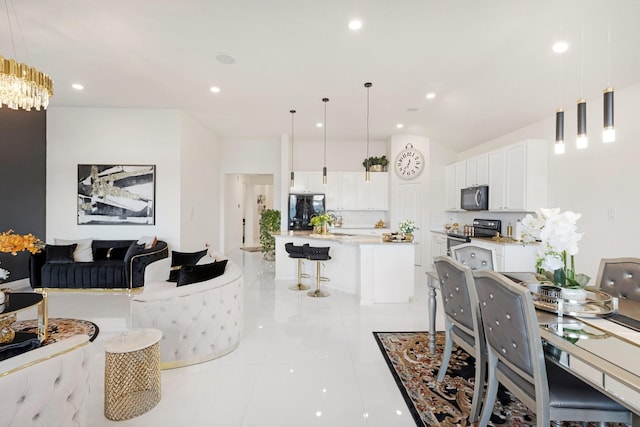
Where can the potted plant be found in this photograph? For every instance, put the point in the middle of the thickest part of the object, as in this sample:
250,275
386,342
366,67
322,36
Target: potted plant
269,224
321,223
406,229
376,164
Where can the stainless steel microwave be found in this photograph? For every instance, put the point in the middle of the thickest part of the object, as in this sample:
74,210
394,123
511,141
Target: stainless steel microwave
475,198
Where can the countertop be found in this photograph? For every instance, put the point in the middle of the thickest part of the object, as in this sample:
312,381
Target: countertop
502,241
344,238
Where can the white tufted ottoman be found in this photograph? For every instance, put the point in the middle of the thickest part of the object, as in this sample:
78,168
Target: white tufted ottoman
132,374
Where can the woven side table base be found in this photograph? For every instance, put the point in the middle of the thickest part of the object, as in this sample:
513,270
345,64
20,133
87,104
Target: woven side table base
132,383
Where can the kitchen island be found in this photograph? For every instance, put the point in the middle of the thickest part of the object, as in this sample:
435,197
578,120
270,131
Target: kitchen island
377,272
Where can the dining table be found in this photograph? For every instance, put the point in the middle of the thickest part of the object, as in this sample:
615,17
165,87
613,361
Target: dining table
602,350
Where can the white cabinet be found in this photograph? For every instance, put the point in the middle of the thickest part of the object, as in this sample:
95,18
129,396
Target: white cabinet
373,195
438,244
341,190
477,171
514,257
308,182
455,180
518,176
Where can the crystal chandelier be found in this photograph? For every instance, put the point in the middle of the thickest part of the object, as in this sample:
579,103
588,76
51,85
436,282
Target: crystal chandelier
22,86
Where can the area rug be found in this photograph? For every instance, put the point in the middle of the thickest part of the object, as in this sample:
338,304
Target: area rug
59,328
251,248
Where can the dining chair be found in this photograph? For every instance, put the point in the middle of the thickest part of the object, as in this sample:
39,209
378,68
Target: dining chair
462,323
620,277
476,257
517,361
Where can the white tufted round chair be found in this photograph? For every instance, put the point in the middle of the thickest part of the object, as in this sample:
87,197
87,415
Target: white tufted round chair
199,322
47,386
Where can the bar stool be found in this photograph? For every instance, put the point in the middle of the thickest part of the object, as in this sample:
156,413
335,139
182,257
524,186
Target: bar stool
317,254
297,252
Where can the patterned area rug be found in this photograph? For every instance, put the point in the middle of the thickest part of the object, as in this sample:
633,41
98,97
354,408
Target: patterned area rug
445,404
59,328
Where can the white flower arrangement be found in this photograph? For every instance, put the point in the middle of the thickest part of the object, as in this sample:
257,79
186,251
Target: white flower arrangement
4,274
559,243
407,226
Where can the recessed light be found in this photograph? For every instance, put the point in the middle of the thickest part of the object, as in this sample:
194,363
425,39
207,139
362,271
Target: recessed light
560,46
355,24
399,125
318,125
431,95
412,109
225,59
77,86
215,89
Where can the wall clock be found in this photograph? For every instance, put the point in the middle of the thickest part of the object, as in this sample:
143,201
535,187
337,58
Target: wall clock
409,163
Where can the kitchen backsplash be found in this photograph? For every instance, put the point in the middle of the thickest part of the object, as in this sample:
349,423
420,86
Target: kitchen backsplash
362,219
463,217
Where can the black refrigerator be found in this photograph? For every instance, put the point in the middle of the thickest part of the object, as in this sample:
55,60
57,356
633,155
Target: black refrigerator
303,207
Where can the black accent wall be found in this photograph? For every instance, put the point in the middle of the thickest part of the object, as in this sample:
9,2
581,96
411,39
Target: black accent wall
23,169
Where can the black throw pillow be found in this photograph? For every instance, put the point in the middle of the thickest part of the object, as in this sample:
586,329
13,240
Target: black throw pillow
178,259
132,251
117,254
199,273
59,254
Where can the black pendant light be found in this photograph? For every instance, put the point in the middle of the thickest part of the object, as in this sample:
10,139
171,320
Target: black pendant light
367,168
559,146
608,131
292,184
324,168
582,141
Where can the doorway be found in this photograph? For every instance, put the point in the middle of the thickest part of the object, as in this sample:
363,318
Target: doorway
245,197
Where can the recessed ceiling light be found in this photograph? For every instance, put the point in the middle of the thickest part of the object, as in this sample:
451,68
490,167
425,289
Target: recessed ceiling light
215,89
318,125
399,125
431,95
355,24
412,109
77,86
560,46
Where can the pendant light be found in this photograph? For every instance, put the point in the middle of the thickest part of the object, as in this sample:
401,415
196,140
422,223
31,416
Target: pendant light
324,168
608,129
582,140
367,168
559,146
293,183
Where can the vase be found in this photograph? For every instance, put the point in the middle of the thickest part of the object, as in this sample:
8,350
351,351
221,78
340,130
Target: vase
376,168
408,237
324,228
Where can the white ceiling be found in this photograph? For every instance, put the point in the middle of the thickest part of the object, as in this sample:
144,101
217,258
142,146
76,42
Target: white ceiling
490,62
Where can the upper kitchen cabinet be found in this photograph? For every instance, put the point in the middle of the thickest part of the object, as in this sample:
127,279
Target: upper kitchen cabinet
341,190
373,195
455,179
518,176
308,182
477,171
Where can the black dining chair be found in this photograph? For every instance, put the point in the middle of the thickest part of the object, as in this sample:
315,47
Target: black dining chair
462,323
620,277
475,257
517,361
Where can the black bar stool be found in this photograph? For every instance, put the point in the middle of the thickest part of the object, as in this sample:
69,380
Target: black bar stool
317,254
297,252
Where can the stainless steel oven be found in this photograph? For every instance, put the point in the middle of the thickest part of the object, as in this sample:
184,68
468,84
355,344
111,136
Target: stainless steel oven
454,240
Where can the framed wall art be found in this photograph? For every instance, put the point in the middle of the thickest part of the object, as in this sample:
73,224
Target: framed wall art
116,194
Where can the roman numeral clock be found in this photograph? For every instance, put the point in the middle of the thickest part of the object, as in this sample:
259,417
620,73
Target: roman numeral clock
409,163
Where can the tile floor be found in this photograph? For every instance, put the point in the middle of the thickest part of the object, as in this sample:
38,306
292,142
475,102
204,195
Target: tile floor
302,361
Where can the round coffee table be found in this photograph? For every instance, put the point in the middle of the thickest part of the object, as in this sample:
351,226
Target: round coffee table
18,301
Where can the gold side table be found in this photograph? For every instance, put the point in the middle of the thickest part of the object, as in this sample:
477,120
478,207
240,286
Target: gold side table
132,383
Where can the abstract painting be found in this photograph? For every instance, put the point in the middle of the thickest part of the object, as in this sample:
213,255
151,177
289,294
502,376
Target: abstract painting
116,194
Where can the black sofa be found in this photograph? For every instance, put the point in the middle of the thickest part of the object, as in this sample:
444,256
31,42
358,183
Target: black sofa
127,273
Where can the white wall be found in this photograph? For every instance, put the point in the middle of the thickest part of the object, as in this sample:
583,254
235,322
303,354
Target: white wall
185,155
199,186
595,180
112,136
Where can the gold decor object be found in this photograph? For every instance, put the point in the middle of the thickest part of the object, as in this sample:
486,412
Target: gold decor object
7,334
23,86
379,224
